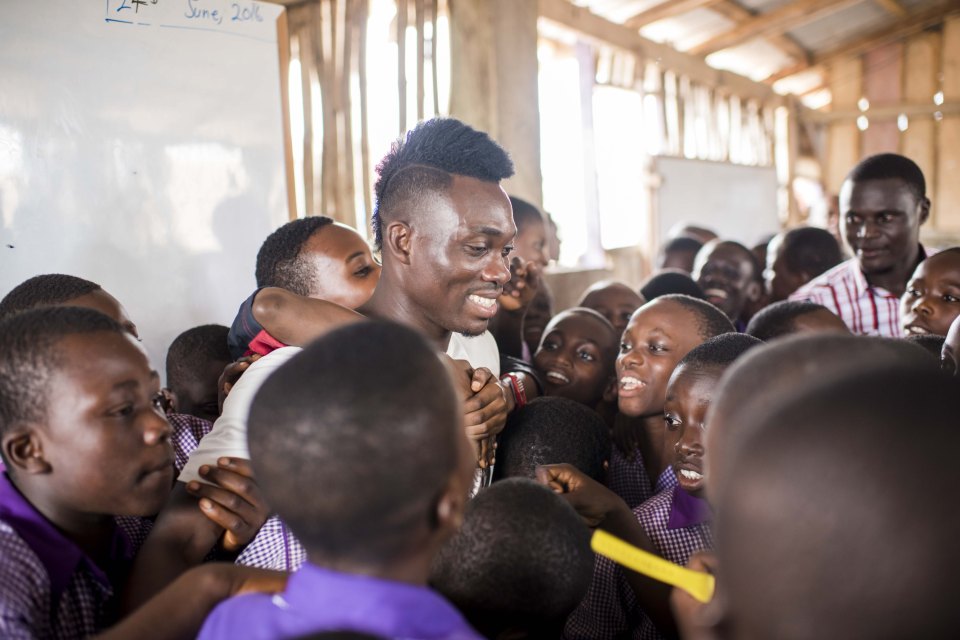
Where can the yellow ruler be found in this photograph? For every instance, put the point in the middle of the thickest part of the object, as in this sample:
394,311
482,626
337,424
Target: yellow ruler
697,584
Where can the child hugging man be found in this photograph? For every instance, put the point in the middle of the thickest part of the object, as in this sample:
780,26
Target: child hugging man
81,465
393,477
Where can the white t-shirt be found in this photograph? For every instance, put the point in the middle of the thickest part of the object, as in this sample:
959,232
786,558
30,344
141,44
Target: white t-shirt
229,434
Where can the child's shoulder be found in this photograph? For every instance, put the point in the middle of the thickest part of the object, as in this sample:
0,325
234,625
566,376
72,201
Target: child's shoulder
25,591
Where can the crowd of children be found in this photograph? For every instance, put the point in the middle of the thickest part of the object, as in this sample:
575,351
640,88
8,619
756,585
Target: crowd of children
409,441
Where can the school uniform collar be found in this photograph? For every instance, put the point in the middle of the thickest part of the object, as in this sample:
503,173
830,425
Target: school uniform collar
864,288
687,510
60,556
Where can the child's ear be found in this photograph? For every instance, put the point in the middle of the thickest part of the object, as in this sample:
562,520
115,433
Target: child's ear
753,291
24,451
397,241
449,509
610,391
171,404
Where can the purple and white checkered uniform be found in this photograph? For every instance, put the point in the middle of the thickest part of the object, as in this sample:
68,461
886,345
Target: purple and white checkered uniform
187,432
48,587
609,610
627,477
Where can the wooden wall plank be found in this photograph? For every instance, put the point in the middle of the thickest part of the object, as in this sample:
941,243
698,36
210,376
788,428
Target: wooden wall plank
920,82
843,138
947,194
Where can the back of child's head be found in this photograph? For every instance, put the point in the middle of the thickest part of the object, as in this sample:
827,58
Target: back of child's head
764,376
195,360
825,527
520,564
279,261
718,352
670,281
810,250
30,355
525,214
710,319
45,290
355,441
678,253
788,316
930,342
552,430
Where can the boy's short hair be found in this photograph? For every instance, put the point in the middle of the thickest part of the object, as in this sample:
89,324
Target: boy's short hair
778,319
29,356
719,351
682,244
521,562
45,290
355,438
552,430
426,158
711,321
822,528
883,166
278,261
930,342
524,213
191,350
671,281
810,250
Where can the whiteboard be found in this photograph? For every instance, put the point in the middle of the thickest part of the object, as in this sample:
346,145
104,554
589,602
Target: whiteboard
141,146
736,201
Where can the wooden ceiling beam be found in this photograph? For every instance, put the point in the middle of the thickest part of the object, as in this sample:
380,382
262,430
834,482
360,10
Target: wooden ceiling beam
733,11
893,7
920,21
598,29
774,22
667,9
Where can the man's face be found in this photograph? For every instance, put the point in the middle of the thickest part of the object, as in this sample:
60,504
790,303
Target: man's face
724,270
459,247
880,223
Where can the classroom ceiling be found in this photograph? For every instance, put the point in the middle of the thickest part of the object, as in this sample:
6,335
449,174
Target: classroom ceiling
781,42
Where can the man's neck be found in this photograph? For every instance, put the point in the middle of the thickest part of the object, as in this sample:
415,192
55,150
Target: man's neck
895,280
389,303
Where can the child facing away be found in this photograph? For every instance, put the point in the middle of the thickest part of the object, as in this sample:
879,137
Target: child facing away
789,317
195,360
520,563
815,475
395,476
81,467
932,298
659,334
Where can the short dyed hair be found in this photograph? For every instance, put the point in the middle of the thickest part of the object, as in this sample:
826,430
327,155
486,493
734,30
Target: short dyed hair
279,262
883,166
810,250
340,451
719,351
552,430
521,562
190,352
45,290
671,281
525,213
778,319
711,321
30,355
427,158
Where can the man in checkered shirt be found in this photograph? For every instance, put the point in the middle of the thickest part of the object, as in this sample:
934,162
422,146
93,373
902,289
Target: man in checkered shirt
882,205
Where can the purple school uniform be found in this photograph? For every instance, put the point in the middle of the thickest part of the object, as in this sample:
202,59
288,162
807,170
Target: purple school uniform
609,610
627,477
49,588
318,599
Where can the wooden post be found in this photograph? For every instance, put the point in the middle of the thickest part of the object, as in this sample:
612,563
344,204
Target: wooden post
947,197
920,82
843,138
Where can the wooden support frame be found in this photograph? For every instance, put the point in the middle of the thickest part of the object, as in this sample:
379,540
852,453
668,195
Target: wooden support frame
667,9
775,22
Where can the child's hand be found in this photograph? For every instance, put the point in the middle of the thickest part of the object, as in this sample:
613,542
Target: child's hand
696,620
486,413
593,501
233,501
520,291
231,373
